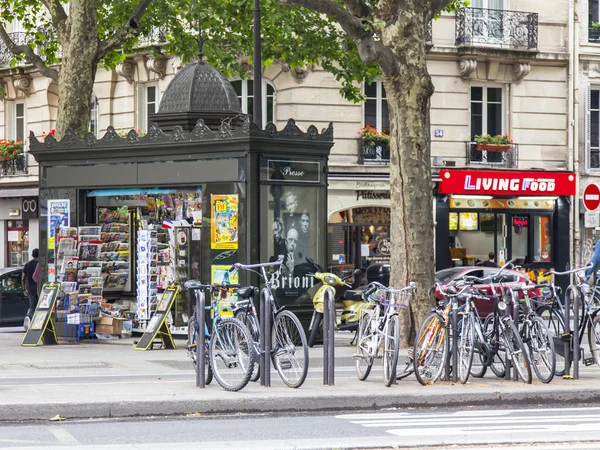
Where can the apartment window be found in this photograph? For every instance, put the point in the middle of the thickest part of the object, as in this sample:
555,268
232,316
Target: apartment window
594,128
594,18
148,102
20,121
376,107
94,115
487,4
244,91
486,111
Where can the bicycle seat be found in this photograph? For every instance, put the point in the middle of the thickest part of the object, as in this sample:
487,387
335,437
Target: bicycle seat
247,292
353,294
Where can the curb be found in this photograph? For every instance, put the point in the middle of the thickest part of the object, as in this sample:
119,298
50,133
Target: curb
294,404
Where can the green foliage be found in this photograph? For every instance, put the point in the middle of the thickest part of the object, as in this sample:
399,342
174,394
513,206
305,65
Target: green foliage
295,36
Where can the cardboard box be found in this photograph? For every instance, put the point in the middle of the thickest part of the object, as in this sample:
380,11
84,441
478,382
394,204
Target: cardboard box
109,325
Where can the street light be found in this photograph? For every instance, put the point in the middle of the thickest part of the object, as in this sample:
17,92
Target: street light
257,86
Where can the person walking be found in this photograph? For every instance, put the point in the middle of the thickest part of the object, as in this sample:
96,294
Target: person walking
30,286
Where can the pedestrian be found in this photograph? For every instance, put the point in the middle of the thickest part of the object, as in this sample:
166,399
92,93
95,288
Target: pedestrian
30,286
491,261
594,262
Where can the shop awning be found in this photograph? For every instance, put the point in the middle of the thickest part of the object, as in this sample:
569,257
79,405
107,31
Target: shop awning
137,191
21,192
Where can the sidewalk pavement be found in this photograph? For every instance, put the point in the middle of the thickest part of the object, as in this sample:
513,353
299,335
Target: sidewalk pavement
101,379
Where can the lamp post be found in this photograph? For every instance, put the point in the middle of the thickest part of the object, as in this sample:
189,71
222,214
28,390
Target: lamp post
257,86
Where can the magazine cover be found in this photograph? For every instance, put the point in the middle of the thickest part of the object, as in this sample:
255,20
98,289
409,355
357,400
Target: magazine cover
221,275
38,320
224,224
89,252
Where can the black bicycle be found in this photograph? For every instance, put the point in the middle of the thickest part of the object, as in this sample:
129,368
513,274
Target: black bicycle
290,348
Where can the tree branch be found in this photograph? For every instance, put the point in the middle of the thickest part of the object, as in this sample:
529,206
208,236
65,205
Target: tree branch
30,55
370,50
358,8
132,26
59,17
437,6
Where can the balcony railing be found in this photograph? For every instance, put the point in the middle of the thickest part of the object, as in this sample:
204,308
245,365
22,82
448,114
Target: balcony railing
378,154
17,166
19,38
487,158
496,28
429,33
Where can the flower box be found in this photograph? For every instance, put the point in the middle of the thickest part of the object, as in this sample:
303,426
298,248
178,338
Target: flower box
494,147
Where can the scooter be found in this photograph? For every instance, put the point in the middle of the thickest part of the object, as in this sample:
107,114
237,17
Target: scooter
354,300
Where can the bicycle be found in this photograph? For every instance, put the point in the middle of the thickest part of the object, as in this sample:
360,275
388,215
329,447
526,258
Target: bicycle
536,335
290,348
380,328
553,314
230,349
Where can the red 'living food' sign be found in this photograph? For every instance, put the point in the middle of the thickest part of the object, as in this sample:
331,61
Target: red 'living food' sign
507,183
591,197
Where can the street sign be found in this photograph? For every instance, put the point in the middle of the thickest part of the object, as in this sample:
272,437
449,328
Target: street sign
591,197
592,219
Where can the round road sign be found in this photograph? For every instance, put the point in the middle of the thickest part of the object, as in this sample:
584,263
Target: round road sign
591,197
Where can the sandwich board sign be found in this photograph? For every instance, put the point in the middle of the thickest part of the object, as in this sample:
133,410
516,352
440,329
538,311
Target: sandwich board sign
41,328
157,327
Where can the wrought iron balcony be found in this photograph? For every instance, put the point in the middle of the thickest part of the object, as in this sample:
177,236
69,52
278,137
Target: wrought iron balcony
429,34
19,38
488,158
17,166
378,154
496,28
157,36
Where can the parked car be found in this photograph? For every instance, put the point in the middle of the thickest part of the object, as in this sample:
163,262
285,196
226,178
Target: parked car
511,278
13,302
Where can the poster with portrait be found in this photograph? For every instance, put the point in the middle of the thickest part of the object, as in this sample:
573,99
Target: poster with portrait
221,275
224,223
58,216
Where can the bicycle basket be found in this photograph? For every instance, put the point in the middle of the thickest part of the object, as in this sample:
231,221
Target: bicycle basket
399,299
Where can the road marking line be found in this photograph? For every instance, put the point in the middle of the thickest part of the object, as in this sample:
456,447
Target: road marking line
62,435
410,421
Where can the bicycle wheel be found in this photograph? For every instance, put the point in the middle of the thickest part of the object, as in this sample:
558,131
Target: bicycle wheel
498,365
391,349
431,349
554,320
290,350
364,351
594,337
541,350
251,322
231,354
516,351
191,348
480,352
465,347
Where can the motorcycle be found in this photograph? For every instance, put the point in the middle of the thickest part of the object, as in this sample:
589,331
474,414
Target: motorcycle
354,301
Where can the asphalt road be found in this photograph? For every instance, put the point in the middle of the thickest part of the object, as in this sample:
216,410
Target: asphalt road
556,428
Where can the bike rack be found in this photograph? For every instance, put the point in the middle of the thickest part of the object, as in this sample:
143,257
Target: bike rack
329,338
569,335
200,339
265,342
576,351
451,364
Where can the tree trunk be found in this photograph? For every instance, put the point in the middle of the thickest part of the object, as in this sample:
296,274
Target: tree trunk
412,228
78,69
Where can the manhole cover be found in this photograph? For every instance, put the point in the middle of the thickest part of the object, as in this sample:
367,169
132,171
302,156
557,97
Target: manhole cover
175,364
99,365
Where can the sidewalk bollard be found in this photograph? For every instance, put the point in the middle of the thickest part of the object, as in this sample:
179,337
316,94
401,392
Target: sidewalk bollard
576,301
329,338
567,337
200,339
454,329
265,342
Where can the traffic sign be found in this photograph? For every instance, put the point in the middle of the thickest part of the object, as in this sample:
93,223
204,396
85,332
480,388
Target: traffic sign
591,197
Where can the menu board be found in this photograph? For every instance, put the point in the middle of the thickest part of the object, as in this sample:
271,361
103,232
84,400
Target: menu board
468,221
453,221
157,325
41,329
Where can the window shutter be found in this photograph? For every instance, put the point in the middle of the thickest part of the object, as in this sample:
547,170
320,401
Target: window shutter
9,108
140,102
588,128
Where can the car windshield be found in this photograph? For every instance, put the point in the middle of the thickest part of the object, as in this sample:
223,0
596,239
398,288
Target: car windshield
444,276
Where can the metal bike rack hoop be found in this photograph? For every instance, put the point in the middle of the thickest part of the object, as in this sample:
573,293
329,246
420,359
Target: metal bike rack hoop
329,338
265,342
200,339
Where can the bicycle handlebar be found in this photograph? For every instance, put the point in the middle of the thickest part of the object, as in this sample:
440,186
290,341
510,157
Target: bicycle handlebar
194,284
567,272
238,266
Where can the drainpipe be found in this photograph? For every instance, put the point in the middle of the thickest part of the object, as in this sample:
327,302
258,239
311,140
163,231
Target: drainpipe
571,127
576,147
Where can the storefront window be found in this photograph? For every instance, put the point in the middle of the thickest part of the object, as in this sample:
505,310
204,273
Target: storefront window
17,242
542,239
